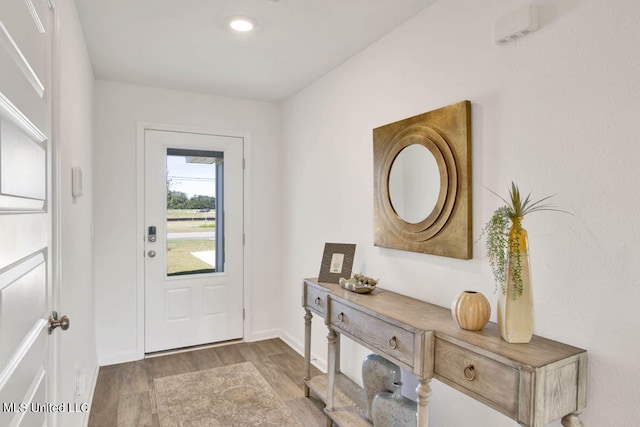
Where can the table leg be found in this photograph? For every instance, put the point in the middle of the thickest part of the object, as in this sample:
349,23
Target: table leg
307,350
332,337
424,393
572,420
337,351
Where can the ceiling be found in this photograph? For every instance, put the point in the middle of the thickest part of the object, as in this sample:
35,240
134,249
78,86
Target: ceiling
186,44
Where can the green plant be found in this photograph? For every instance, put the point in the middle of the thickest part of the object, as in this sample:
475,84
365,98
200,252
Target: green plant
501,246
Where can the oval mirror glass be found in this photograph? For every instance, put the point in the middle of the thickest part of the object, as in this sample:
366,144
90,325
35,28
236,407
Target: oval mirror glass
414,183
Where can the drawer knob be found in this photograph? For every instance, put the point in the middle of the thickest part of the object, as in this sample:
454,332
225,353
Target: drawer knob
340,317
393,343
469,373
317,301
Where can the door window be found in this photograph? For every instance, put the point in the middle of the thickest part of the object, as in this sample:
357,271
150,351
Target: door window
195,220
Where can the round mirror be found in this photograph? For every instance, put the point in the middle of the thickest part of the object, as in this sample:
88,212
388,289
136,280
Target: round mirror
414,183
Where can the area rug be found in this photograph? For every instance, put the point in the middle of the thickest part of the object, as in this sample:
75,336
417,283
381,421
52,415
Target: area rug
234,395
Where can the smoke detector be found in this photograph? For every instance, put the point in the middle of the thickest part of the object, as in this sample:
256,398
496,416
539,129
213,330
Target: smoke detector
516,25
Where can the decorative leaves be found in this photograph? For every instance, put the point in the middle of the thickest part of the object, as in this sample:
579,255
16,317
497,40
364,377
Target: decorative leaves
497,231
519,208
501,245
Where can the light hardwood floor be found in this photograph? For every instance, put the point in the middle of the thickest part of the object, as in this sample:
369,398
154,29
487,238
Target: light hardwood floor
125,395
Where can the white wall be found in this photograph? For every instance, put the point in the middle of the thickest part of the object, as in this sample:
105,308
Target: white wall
557,112
77,350
118,107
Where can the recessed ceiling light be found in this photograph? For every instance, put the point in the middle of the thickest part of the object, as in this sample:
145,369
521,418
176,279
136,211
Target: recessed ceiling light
242,23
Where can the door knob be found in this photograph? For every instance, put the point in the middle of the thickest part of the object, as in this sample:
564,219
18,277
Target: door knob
63,323
151,254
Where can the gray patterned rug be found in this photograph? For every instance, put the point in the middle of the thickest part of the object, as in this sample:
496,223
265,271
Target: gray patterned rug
234,395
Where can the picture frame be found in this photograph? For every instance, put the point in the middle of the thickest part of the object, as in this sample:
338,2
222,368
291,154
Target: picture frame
337,262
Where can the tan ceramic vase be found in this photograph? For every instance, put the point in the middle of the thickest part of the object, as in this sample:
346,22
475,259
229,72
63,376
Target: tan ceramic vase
515,310
471,310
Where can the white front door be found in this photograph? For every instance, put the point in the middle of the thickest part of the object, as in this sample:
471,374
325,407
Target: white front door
193,239
26,252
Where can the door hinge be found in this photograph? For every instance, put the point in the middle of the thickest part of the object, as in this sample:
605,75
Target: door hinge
243,239
243,314
244,163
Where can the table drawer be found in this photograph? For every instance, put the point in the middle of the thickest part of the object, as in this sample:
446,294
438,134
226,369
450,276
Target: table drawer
315,300
493,381
381,336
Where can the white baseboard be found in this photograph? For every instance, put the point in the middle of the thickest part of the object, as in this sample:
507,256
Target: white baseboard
263,335
123,357
316,360
92,388
292,342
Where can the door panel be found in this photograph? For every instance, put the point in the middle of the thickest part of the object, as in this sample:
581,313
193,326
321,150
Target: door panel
21,333
193,199
24,37
177,304
26,281
22,163
25,55
213,300
26,285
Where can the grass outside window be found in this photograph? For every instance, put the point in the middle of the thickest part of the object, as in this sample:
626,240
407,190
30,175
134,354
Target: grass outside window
181,260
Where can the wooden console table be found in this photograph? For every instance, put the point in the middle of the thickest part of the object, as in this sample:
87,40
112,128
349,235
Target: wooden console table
532,383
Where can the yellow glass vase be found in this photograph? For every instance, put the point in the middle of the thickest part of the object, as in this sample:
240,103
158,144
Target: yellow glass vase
515,306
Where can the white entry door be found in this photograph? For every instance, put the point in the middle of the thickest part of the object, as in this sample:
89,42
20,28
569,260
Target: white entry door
27,380
193,239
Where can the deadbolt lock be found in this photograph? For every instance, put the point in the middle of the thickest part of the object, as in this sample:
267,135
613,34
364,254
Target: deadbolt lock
151,234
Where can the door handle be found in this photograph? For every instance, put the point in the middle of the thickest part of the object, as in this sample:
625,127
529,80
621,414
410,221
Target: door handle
151,254
63,323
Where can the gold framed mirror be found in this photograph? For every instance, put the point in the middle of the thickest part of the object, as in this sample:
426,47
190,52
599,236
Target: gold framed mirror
422,183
